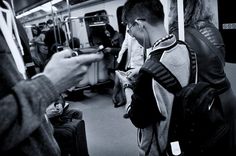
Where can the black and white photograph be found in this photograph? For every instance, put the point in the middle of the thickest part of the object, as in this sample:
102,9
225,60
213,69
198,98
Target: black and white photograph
117,78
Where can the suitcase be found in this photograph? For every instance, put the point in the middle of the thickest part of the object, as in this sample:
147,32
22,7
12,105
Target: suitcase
71,138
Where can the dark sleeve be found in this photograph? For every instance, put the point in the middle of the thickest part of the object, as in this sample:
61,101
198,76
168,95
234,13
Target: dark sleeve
22,102
213,35
143,111
49,38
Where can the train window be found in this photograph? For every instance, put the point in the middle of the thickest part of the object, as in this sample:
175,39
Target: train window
95,23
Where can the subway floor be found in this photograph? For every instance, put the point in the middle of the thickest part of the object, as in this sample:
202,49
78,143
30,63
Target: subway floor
108,133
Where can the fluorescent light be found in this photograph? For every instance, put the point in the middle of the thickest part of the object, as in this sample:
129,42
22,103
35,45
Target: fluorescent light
28,26
45,7
28,12
55,1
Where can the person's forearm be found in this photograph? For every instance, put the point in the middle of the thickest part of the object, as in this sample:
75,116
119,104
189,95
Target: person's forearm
120,55
23,109
128,94
124,47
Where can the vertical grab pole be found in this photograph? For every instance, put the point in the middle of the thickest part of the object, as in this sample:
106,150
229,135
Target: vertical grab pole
67,29
167,13
180,6
58,28
166,5
70,23
13,8
54,26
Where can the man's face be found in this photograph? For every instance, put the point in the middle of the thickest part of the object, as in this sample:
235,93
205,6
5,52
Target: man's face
138,32
35,31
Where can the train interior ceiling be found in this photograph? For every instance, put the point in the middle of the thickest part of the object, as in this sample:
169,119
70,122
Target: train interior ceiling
85,20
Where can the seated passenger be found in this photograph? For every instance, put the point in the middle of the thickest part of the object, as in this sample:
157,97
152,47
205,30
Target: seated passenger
59,113
65,129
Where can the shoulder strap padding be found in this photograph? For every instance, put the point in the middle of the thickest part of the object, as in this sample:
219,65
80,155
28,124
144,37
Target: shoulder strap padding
162,75
165,77
193,63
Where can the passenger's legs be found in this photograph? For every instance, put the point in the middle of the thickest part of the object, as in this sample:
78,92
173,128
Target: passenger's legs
118,96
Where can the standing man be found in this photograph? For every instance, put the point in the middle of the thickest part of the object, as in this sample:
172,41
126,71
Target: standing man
145,20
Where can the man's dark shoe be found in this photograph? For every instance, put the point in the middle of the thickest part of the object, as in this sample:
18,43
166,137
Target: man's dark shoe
119,104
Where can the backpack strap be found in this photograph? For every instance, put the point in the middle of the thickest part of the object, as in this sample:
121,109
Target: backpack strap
164,76
193,63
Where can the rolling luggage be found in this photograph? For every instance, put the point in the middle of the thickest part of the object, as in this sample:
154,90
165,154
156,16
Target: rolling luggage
71,138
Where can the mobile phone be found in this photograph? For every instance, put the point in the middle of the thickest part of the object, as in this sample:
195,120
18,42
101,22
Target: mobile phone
66,106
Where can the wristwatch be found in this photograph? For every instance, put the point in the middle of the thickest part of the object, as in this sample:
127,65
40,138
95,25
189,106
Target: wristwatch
128,85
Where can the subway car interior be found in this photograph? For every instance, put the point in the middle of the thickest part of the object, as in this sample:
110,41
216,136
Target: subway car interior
102,128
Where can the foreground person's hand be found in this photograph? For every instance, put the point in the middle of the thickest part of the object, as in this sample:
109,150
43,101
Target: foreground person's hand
66,71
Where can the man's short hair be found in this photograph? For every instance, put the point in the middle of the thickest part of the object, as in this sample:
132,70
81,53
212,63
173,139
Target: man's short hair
150,10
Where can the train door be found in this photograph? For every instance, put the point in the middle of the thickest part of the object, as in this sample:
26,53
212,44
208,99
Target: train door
227,27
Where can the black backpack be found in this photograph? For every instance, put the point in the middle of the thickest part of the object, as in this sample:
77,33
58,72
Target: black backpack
197,124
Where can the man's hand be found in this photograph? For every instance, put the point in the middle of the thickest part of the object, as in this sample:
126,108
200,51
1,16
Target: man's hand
133,73
122,77
66,71
53,110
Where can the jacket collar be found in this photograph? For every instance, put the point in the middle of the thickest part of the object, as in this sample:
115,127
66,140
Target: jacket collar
166,42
